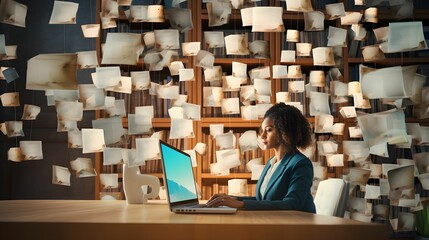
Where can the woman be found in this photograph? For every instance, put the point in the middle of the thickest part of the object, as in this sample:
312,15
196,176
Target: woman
286,180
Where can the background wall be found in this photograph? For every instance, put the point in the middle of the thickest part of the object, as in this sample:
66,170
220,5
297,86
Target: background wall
33,179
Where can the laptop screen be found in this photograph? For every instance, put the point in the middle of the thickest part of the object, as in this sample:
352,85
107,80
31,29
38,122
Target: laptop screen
178,174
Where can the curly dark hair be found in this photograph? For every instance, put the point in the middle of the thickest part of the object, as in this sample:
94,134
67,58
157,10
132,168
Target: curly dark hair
291,125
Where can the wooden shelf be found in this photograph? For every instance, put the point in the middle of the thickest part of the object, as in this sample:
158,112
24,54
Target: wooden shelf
232,175
231,122
393,61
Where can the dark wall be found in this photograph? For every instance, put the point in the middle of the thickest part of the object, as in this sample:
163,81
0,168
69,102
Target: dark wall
33,179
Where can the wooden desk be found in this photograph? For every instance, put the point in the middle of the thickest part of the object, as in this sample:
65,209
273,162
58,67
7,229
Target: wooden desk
71,219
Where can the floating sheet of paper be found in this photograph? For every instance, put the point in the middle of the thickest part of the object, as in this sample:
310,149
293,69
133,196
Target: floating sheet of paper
348,112
299,5
83,167
106,76
175,66
334,160
109,9
10,99
255,161
231,84
139,124
180,19
360,102
401,181
256,171
69,111
167,91
337,37
260,49
246,16
66,125
31,150
74,139
383,126
181,128
190,48
64,13
204,59
237,44
107,23
87,59
279,71
327,147
358,176
92,140
239,70
260,72
113,156
402,9
282,97
230,106
30,112
14,154
179,101
228,159
287,56
214,169
351,18
317,78
52,71
124,86
149,39
338,129
247,93
238,187
109,180
405,36
292,35
201,148
296,86
186,74
140,80
323,56
122,48
319,103
167,39
372,192
405,222
138,13
114,133
323,123
212,96
13,13
147,149
60,175
92,97
372,53
213,74
390,83
249,112
262,108
334,11
262,86
216,129
303,49
248,141
176,112
267,19
90,30
424,180
371,15
422,162
219,13
214,39
224,140
314,21
192,111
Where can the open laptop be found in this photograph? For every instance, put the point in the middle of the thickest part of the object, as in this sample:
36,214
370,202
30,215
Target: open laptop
180,182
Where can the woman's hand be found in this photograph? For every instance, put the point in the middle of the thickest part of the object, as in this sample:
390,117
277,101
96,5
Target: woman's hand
224,200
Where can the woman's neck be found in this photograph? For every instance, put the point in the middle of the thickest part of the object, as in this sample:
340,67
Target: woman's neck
281,151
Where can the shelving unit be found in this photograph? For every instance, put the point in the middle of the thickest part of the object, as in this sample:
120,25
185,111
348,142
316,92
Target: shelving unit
210,183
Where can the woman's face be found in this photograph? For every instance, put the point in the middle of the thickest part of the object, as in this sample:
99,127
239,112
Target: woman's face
268,134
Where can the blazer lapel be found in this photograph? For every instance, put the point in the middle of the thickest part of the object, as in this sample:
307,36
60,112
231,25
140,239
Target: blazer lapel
279,171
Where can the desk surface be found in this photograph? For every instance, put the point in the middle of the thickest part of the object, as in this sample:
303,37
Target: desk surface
92,219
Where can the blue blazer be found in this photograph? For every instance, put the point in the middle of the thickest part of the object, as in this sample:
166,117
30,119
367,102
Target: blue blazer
289,187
